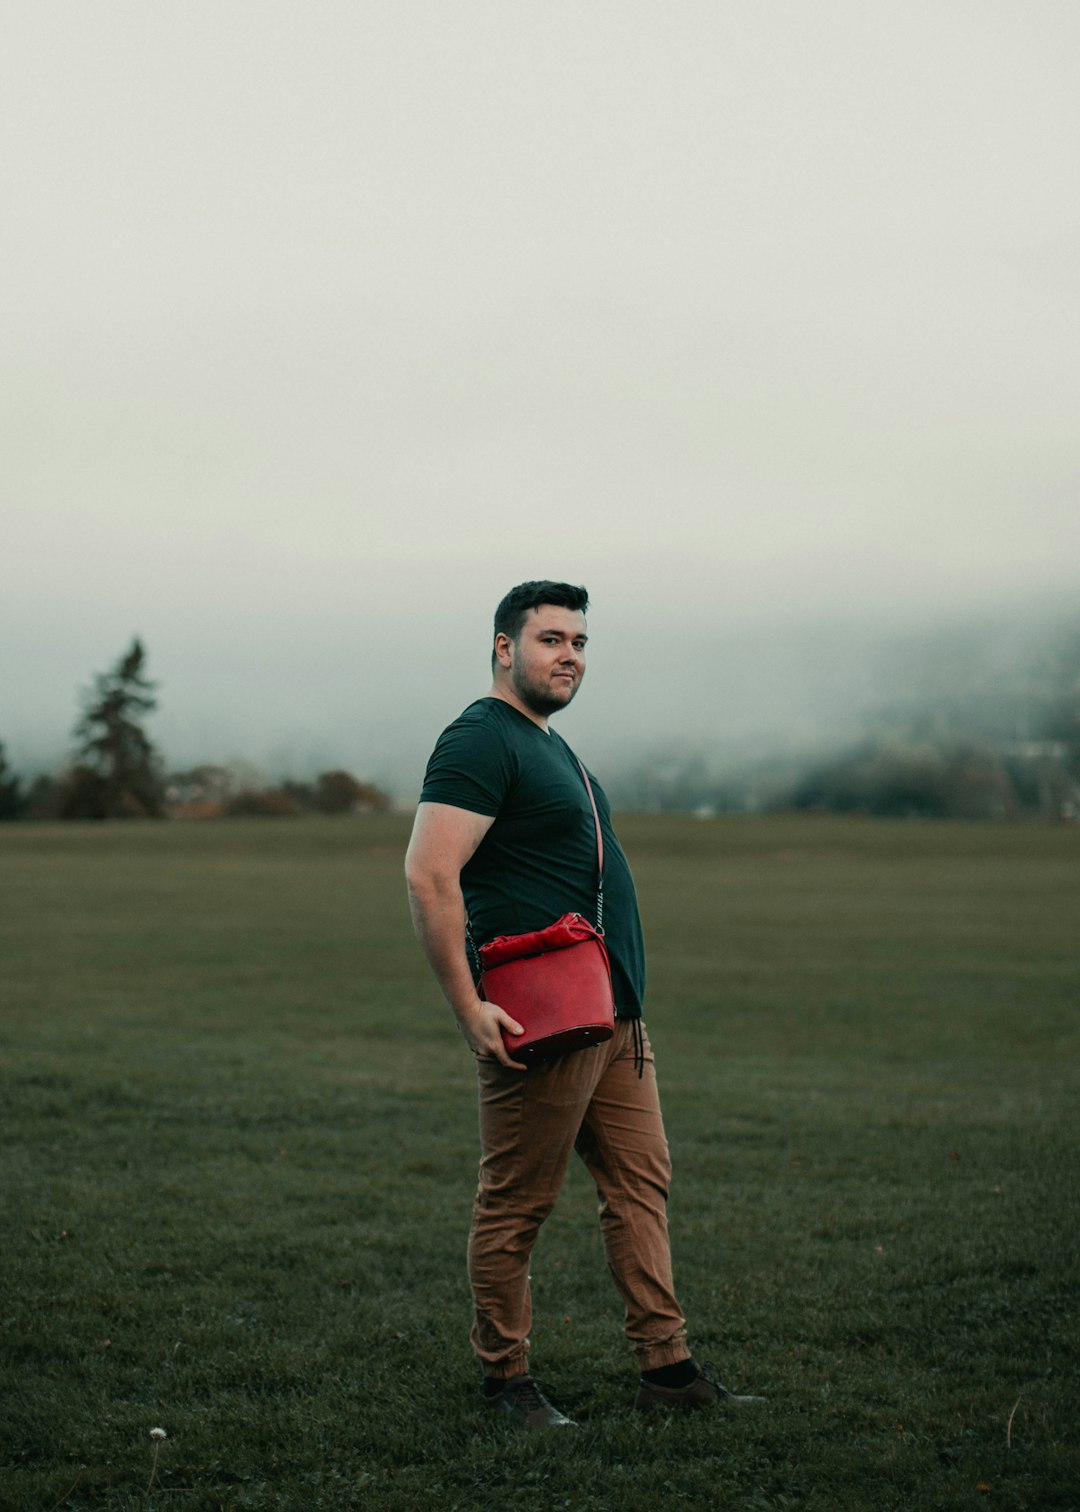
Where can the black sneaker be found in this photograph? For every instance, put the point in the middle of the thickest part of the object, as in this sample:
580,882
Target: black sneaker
703,1391
522,1401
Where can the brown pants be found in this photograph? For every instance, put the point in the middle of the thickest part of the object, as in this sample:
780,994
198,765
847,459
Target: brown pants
592,1101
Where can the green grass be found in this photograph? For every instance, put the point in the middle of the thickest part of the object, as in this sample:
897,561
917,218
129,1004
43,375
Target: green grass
239,1152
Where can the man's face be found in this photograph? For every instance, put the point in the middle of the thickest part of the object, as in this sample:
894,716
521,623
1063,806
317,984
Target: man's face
547,661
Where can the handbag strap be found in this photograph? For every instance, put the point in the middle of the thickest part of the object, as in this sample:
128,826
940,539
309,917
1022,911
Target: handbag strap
599,848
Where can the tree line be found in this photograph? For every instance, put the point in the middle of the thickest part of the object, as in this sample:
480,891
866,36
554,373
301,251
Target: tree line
118,773
963,727
973,746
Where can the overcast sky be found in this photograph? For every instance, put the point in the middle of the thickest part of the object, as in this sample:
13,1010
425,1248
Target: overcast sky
325,323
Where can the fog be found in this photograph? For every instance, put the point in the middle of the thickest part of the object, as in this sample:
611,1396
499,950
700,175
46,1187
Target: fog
324,326
735,689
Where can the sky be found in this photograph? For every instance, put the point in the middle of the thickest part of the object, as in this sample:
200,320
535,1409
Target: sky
326,323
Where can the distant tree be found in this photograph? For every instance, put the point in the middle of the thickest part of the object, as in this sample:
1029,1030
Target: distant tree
83,795
43,798
11,798
263,803
890,781
202,792
119,772
341,793
976,785
301,793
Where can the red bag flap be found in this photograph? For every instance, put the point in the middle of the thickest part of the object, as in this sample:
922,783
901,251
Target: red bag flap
571,929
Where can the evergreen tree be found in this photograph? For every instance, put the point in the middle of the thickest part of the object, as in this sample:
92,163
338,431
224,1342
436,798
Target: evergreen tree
43,798
119,771
11,798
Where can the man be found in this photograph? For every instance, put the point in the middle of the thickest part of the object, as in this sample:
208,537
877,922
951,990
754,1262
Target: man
505,838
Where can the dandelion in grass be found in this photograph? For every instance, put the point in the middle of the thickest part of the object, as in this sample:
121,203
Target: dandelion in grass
158,1436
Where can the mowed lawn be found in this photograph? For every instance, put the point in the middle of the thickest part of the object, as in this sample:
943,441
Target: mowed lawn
239,1152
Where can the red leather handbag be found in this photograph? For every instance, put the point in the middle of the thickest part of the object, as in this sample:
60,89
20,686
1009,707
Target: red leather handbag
555,981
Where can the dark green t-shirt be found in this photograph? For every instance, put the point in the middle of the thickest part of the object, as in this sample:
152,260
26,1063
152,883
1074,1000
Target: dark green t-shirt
538,860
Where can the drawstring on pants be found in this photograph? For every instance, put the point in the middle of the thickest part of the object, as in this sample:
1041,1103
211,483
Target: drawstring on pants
639,1048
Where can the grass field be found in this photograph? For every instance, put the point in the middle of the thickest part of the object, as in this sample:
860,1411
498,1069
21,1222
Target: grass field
239,1153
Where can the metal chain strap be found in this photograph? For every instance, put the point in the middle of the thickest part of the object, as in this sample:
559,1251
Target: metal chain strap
599,848
599,886
472,946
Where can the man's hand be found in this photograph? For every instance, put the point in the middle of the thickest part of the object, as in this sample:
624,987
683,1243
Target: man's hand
483,1033
442,841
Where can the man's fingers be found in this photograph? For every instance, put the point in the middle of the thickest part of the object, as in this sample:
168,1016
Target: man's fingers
485,1035
499,1049
500,1053
510,1025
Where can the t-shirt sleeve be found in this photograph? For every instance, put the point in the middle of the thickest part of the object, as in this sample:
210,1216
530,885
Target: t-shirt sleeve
470,768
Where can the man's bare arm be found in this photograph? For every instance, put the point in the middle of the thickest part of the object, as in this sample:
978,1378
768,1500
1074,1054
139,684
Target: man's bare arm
443,840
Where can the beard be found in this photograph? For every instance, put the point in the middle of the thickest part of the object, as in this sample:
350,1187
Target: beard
539,696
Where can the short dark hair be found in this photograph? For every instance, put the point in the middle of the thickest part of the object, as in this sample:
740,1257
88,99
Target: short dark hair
514,608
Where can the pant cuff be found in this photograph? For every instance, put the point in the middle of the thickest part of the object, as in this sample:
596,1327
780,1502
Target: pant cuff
662,1354
505,1370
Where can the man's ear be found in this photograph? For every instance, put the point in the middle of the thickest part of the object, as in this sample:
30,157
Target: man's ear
503,649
